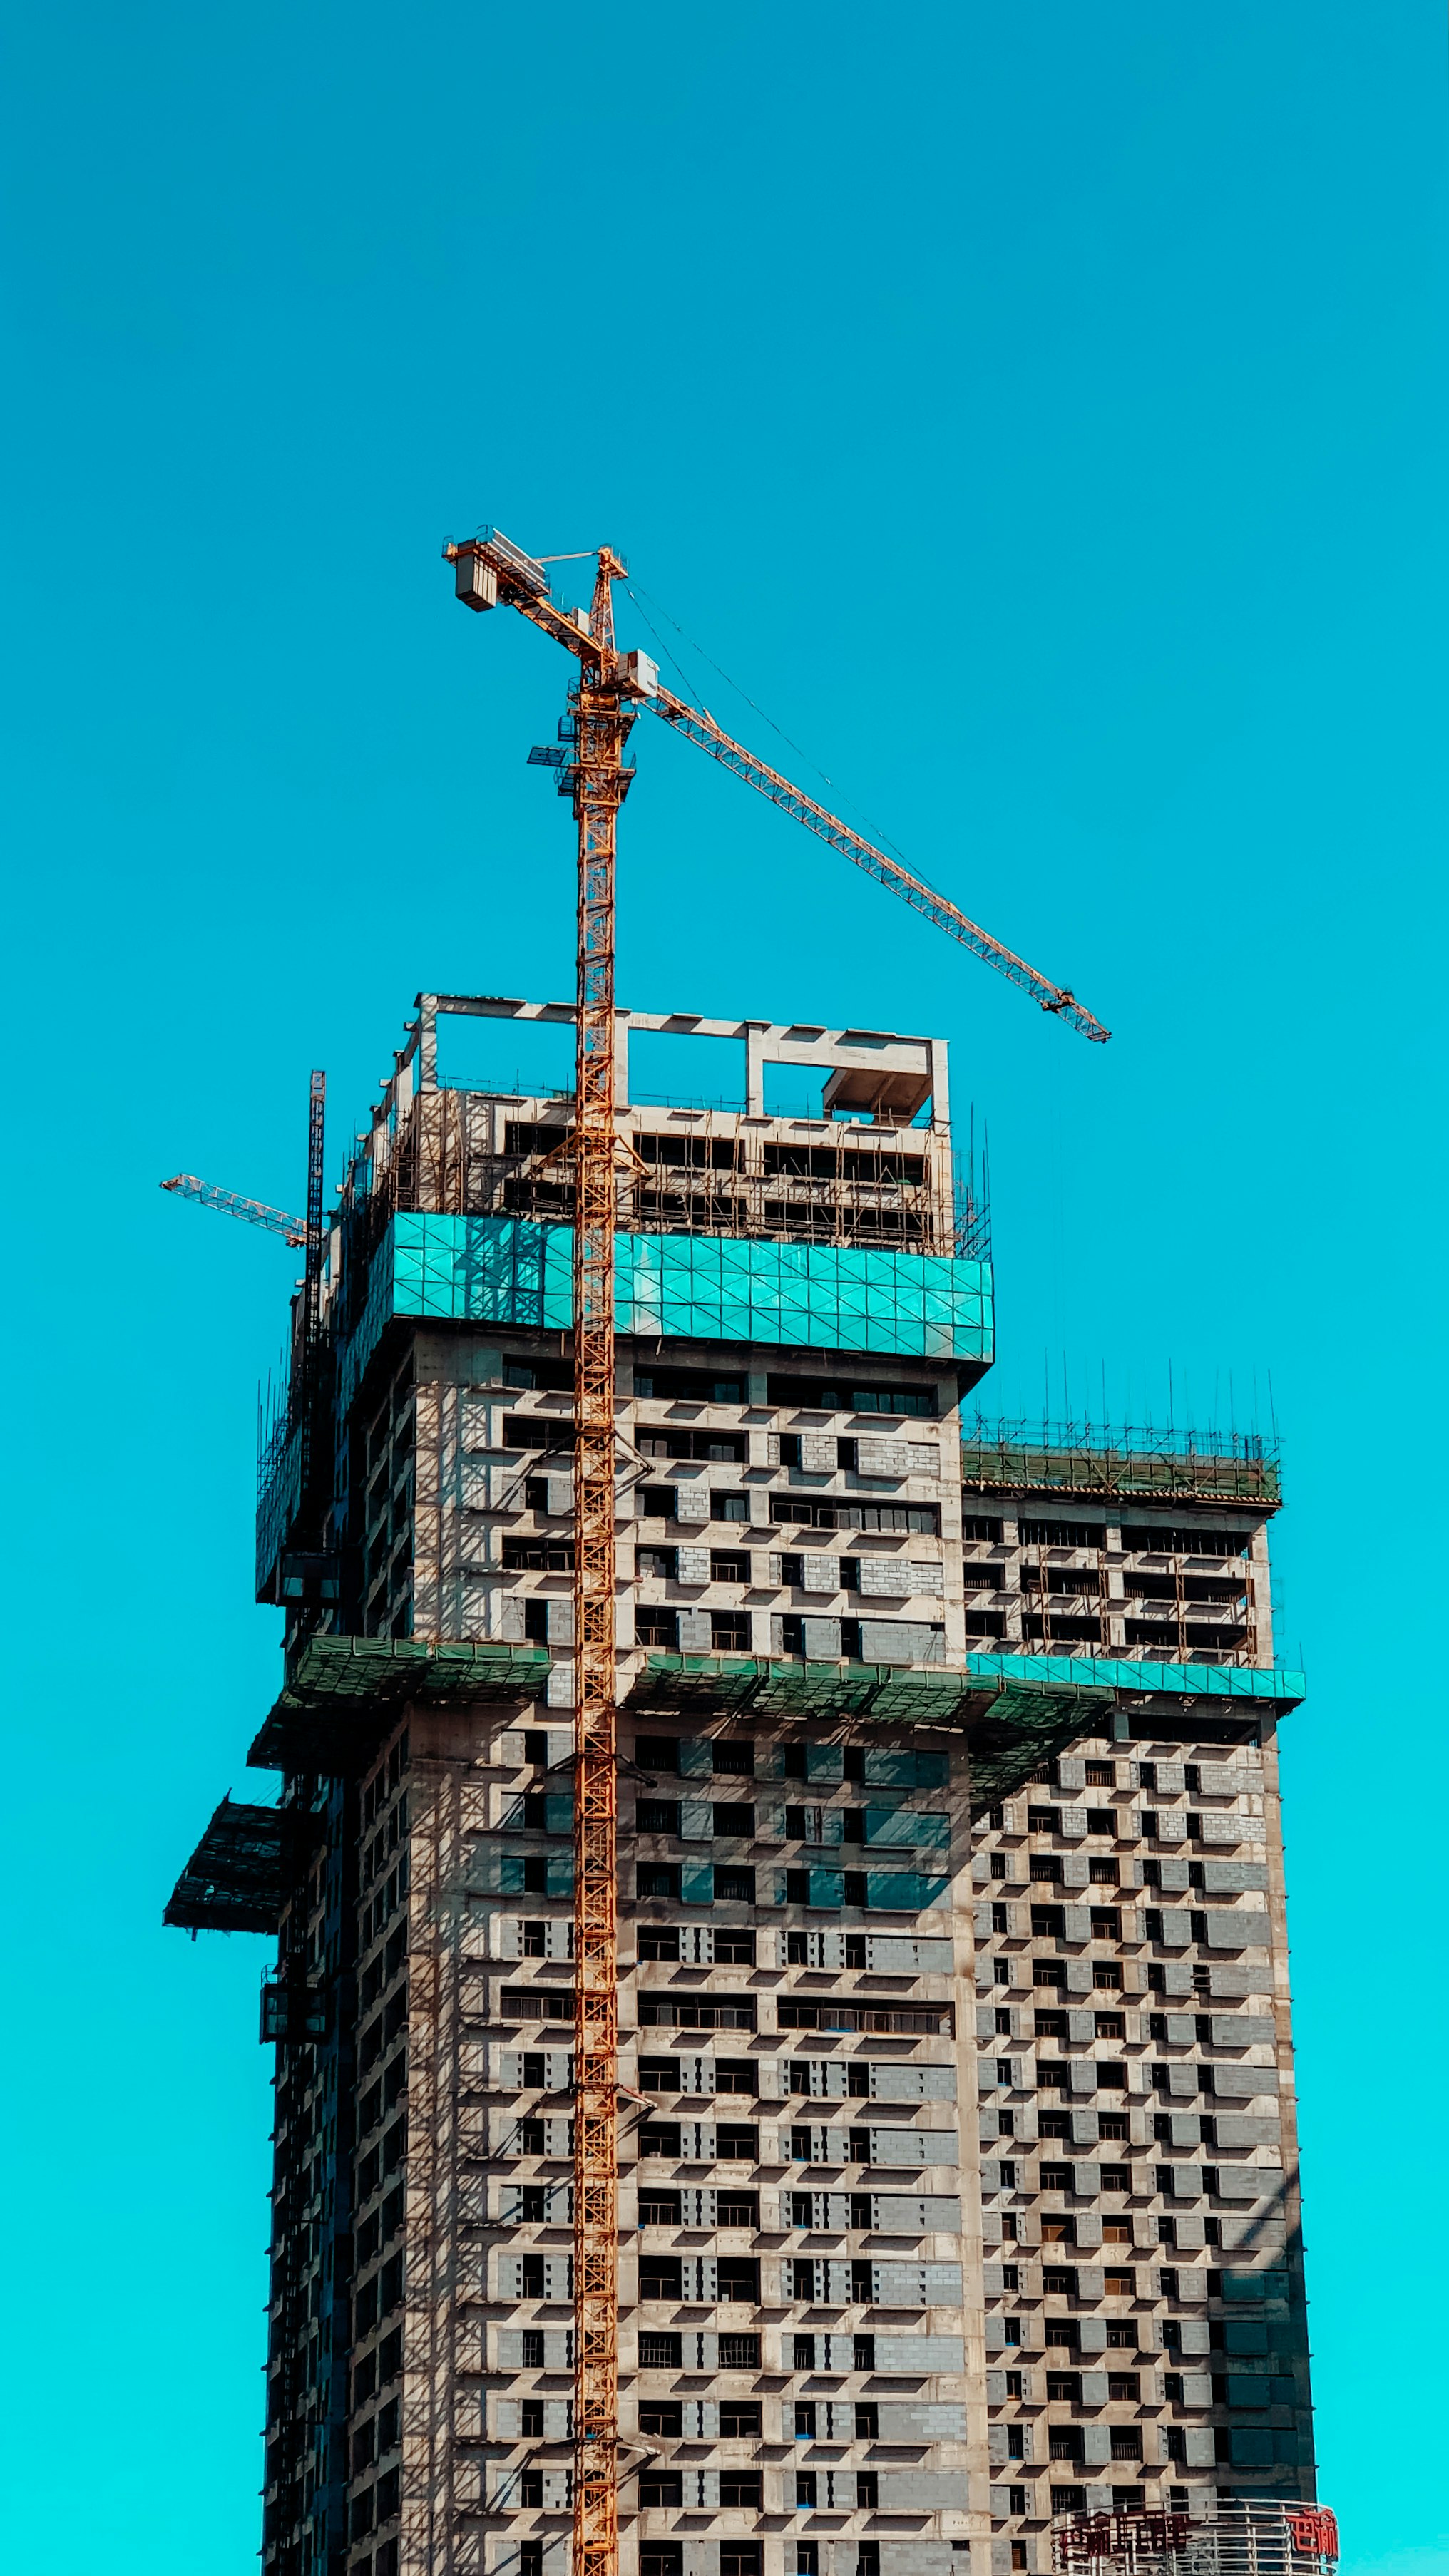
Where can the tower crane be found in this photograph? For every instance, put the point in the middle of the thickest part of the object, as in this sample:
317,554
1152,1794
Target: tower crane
304,1232
606,697
309,1383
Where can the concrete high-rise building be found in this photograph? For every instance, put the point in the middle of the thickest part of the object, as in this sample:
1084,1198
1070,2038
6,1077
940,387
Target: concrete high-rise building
958,2177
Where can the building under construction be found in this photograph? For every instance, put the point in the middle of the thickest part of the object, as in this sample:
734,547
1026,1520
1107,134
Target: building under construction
956,2157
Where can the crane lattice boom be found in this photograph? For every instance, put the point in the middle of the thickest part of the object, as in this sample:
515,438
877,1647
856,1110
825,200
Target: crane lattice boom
250,1211
700,727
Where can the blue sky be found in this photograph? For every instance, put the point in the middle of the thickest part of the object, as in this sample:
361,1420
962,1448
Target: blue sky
1041,414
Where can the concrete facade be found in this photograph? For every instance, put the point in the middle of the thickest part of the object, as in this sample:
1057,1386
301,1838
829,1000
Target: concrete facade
958,2179
1145,2316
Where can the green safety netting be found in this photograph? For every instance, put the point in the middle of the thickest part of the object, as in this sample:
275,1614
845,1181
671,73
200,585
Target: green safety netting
1011,1728
1169,1473
341,1692
233,1881
1126,1678
732,1288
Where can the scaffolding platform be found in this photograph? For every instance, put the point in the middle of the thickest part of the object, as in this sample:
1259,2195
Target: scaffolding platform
236,1878
1012,1728
342,1693
1105,1460
1268,1687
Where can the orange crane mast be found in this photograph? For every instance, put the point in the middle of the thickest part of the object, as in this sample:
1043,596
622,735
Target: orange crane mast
490,572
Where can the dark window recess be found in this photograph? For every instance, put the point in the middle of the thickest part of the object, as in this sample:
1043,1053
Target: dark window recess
537,1431
656,1564
1071,1578
729,1632
736,2142
697,1386
656,2351
738,2276
736,2075
741,2558
654,1626
732,1759
823,1396
896,1519
986,1533
555,1376
536,2003
657,1816
656,1878
1186,1542
1061,1533
729,1565
793,2014
723,1448
738,2209
657,1752
739,2352
657,1502
693,2012
538,1556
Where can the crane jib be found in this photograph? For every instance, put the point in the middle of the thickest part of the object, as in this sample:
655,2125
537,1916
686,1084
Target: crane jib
864,854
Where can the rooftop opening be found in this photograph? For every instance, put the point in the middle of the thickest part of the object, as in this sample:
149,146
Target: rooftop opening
534,1058
672,1068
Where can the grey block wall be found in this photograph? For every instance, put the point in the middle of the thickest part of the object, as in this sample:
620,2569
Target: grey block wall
1140,2193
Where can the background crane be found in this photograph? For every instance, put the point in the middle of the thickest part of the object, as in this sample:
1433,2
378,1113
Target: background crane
490,571
250,1211
310,1383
